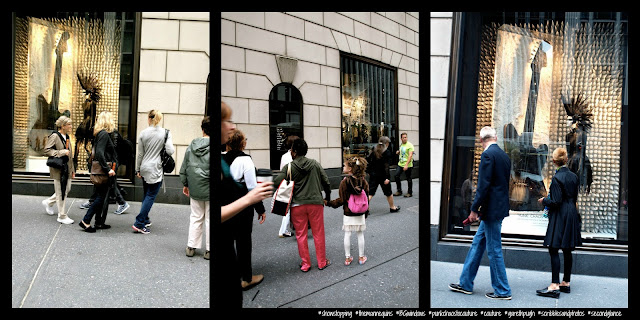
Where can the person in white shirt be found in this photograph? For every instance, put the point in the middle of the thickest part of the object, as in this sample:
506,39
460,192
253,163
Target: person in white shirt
240,226
284,160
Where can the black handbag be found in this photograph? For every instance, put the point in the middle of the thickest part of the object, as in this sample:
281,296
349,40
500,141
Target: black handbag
57,162
168,164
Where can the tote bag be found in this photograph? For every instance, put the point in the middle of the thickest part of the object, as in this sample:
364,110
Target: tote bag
282,199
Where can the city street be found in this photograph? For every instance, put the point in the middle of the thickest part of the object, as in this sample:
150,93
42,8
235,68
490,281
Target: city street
59,266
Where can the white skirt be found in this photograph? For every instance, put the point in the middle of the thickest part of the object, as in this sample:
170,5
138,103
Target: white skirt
354,223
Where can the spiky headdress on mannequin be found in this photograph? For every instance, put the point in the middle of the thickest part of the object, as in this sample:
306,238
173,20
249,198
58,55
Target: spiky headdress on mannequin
579,110
90,85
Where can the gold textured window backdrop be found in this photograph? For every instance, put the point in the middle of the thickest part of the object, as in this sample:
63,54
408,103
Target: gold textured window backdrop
51,55
527,74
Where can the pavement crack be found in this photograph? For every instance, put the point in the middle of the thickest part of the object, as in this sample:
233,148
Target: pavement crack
347,278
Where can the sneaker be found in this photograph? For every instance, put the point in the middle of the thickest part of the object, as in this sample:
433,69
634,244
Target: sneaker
497,297
398,193
122,208
408,195
286,234
190,252
206,255
141,230
66,220
362,260
148,224
457,288
48,208
85,205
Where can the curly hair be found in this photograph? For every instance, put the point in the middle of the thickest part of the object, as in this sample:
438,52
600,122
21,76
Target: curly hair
358,166
236,142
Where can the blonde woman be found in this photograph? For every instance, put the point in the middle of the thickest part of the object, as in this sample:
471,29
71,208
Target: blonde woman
149,166
104,151
58,145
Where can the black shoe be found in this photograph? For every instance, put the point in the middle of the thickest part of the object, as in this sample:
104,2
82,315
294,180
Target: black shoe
395,210
492,295
89,229
102,226
565,289
548,293
456,287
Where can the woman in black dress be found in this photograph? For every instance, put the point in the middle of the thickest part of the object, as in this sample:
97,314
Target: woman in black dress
564,227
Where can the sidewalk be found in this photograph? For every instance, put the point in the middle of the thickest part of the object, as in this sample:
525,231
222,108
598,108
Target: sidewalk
61,266
586,291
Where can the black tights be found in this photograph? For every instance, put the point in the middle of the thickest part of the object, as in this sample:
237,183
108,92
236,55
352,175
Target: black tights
555,265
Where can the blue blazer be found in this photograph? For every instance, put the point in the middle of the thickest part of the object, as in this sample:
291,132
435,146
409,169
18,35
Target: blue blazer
492,192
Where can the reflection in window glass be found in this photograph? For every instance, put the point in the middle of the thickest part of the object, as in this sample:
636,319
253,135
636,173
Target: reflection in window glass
368,106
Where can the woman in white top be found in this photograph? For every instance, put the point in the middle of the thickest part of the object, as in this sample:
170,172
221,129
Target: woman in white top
243,172
284,160
149,166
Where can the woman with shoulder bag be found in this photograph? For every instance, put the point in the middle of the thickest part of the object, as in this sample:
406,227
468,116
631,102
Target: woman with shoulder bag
149,166
104,153
58,146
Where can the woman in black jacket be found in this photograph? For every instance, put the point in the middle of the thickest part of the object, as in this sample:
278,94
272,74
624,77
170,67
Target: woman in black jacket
563,231
104,151
378,170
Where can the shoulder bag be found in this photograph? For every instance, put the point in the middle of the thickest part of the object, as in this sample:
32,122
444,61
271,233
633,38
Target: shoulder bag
57,162
168,164
97,175
282,198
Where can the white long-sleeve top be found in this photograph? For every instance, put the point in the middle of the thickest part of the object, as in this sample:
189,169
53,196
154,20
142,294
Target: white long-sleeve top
148,162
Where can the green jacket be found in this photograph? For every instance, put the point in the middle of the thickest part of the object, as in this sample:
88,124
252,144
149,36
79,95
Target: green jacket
310,180
194,172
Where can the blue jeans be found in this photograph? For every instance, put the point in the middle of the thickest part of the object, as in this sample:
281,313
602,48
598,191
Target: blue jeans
487,237
150,193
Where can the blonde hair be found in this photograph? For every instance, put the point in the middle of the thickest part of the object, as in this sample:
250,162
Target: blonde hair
62,121
560,157
358,166
104,121
155,116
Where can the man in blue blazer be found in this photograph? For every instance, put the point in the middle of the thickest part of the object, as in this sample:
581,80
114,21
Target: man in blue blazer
491,205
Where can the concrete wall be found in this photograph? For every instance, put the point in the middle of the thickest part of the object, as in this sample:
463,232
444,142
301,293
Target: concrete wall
174,65
252,40
441,24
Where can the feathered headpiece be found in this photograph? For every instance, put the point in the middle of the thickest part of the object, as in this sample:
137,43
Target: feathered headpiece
91,86
578,109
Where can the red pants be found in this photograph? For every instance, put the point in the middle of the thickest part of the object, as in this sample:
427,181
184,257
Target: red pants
313,214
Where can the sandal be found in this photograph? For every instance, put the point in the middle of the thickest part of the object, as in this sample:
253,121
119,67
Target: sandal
326,265
362,260
348,260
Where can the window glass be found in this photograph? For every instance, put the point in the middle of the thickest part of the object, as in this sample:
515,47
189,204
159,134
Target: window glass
368,105
551,80
59,59
285,119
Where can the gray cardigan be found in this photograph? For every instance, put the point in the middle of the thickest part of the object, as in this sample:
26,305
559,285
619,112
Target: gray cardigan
148,163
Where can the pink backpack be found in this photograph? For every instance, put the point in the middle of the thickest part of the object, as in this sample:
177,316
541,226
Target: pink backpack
358,203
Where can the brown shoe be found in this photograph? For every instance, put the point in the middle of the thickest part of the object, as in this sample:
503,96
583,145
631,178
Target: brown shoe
190,251
255,280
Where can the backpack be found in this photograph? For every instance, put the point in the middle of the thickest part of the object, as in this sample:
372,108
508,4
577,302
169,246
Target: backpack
358,203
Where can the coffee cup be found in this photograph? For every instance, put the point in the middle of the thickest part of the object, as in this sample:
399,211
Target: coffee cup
264,175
